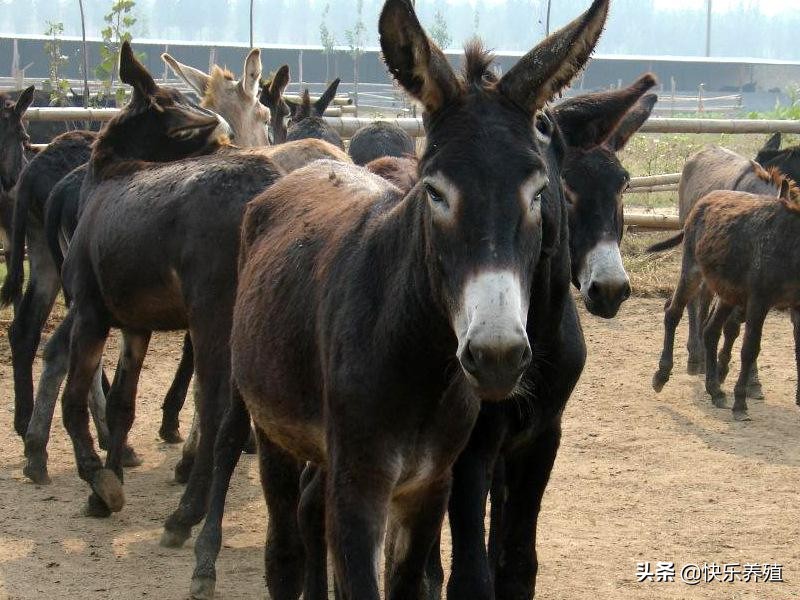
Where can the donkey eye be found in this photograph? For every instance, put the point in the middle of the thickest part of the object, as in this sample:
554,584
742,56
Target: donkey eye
435,196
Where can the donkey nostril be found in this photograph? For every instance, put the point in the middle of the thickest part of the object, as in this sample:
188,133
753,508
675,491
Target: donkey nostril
594,291
468,360
627,291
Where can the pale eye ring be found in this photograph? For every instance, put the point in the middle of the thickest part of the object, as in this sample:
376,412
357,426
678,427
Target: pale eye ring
435,196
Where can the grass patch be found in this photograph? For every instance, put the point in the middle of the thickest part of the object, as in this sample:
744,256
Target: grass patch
652,275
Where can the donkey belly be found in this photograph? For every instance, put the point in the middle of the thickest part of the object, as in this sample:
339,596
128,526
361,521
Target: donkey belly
302,435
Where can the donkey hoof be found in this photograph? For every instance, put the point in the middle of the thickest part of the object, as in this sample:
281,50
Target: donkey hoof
36,473
130,458
183,469
96,508
175,538
695,367
170,435
202,588
741,415
719,399
659,380
109,488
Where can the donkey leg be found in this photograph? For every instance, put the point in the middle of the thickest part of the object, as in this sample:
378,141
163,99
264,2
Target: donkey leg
25,331
754,389
527,473
231,438
417,520
751,345
122,396
89,334
97,408
56,361
694,364
357,502
311,522
212,366
176,396
731,332
471,575
284,558
189,450
711,334
687,287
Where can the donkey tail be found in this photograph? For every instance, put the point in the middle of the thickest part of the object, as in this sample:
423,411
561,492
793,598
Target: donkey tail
666,244
12,286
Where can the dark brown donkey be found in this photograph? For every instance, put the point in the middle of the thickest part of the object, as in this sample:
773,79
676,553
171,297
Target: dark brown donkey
743,247
710,169
237,103
14,144
363,310
272,98
142,259
308,120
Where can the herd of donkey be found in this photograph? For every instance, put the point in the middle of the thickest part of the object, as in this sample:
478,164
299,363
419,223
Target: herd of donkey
399,328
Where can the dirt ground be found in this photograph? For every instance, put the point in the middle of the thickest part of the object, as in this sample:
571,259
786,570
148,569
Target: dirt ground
640,477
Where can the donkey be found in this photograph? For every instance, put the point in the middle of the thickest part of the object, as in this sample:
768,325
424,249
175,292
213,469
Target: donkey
231,99
421,300
272,97
710,169
380,139
786,159
308,121
14,144
605,116
66,152
741,246
594,182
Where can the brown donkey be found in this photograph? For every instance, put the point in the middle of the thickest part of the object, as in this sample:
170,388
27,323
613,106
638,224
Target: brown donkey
742,247
369,324
715,168
141,260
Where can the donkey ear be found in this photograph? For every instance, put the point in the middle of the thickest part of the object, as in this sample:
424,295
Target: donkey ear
24,101
132,72
550,66
773,143
252,73
413,59
632,122
322,103
588,120
785,192
277,86
194,78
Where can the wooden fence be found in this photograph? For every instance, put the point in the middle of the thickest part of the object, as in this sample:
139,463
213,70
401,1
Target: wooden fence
348,125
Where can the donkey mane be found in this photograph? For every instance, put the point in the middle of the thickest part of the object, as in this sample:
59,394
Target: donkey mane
218,77
775,177
477,60
304,108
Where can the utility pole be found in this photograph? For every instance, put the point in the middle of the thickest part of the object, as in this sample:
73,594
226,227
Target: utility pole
251,23
547,19
85,59
708,28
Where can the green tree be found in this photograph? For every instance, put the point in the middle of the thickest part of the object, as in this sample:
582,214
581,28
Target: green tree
58,87
355,40
439,33
328,41
117,30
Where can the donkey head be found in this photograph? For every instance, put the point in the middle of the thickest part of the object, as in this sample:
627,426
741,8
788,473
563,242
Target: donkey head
159,124
13,137
272,98
307,118
236,101
595,127
484,175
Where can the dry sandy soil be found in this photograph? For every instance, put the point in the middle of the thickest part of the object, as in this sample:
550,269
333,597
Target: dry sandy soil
640,477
